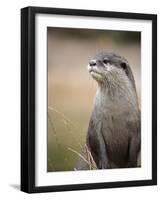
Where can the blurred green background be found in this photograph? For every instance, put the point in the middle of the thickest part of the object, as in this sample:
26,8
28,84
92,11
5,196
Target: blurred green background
71,90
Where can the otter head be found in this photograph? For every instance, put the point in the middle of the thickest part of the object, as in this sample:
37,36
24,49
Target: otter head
110,69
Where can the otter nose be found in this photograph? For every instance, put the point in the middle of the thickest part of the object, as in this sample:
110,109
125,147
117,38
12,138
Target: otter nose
92,63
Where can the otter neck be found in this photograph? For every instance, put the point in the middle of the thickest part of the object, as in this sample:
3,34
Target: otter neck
122,96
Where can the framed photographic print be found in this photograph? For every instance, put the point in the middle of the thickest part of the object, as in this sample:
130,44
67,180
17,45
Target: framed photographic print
88,99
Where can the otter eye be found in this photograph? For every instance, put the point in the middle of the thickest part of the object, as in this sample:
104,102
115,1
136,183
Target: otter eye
105,60
124,65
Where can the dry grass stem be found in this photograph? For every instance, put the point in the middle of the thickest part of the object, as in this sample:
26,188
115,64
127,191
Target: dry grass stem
90,161
65,119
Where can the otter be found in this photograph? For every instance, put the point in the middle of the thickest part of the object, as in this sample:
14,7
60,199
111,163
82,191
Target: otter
114,132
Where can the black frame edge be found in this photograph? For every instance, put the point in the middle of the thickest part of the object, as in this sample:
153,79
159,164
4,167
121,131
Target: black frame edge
96,13
93,186
24,100
27,100
154,99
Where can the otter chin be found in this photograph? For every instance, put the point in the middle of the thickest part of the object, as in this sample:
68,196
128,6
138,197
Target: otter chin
114,131
96,74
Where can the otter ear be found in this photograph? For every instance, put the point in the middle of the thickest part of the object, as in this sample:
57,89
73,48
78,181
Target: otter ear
124,65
